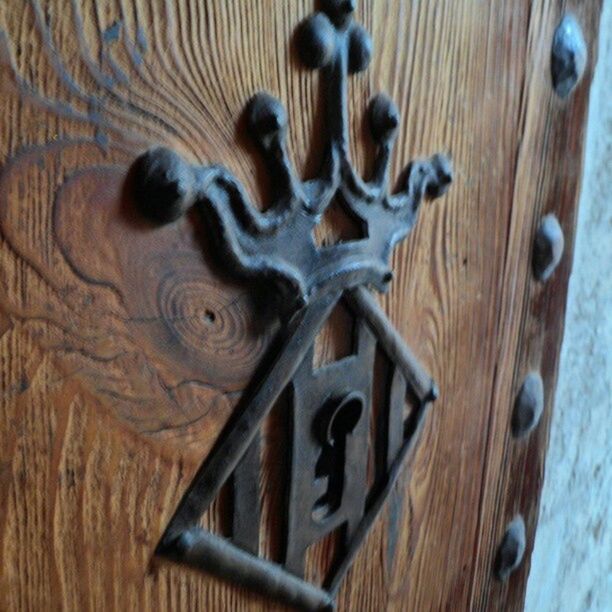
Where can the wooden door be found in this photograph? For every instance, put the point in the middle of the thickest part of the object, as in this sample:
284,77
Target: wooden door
123,348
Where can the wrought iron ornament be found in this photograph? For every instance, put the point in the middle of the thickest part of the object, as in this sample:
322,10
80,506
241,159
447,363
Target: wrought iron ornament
330,407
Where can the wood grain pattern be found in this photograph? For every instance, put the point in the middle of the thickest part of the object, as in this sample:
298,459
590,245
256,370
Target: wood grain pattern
123,349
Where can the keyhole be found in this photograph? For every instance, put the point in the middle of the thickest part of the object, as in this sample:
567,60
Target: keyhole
341,421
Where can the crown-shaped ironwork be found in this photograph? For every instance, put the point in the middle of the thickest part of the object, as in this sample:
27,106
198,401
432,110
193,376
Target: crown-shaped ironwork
330,407
279,243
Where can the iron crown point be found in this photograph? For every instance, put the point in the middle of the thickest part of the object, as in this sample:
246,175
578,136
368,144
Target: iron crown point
359,50
443,176
165,185
384,119
316,40
267,119
339,11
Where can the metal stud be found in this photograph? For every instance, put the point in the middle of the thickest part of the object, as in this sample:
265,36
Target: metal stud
569,56
529,405
548,248
511,550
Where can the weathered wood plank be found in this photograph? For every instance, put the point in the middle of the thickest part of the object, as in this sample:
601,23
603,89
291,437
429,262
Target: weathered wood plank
123,350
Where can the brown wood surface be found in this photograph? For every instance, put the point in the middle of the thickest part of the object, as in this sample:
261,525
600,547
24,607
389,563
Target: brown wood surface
123,349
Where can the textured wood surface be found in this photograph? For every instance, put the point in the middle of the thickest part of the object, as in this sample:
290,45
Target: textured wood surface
123,349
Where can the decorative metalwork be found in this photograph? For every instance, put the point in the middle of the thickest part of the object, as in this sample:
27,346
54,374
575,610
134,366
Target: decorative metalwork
331,407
